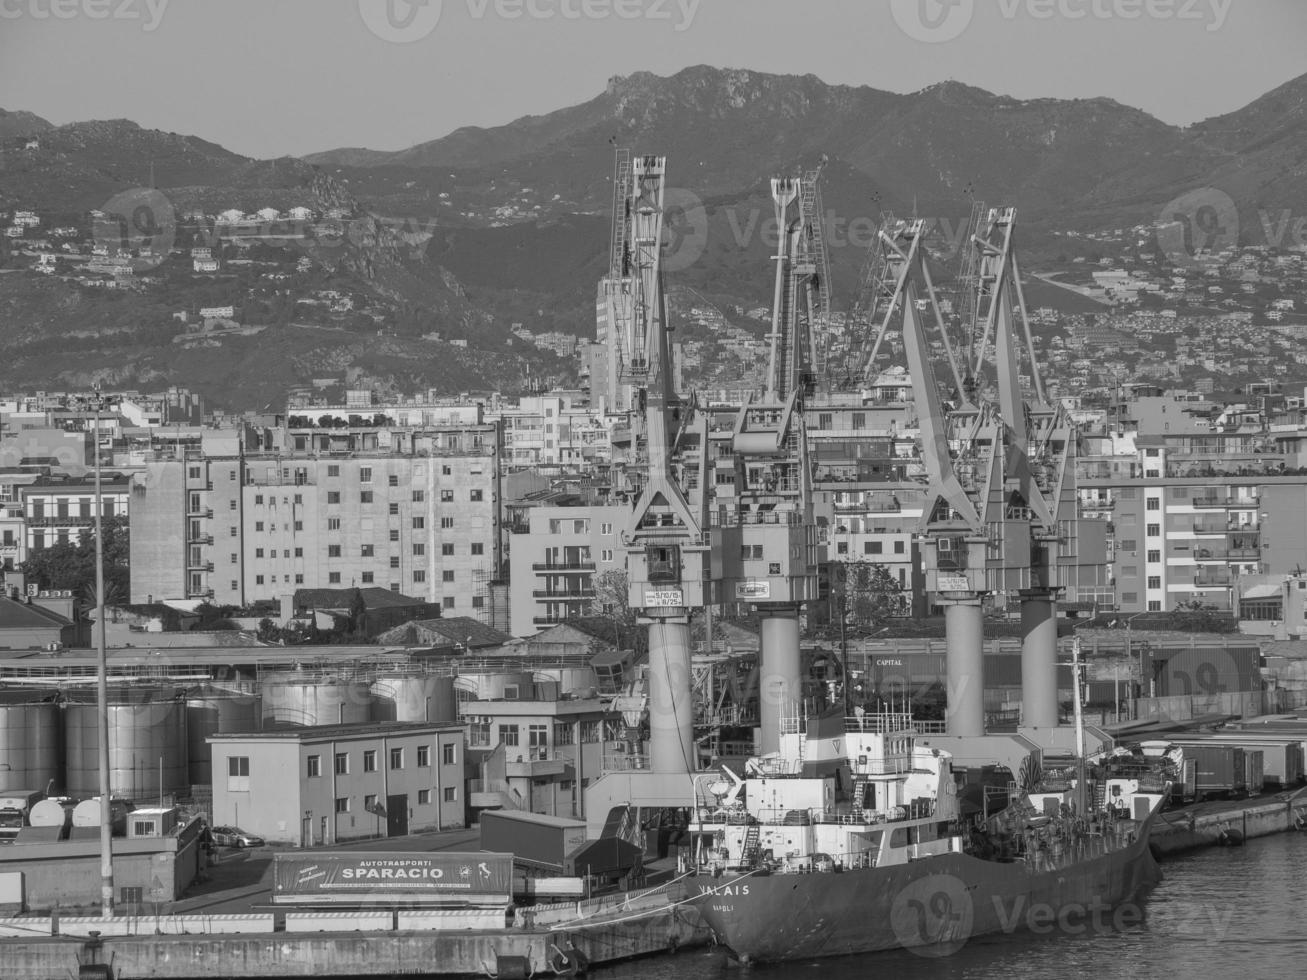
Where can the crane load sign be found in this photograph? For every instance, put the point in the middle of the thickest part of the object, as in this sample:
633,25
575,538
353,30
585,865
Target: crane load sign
952,583
663,598
752,590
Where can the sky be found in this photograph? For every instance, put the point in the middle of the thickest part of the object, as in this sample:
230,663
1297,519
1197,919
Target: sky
273,77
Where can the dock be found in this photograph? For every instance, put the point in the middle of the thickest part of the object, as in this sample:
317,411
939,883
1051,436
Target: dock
1227,822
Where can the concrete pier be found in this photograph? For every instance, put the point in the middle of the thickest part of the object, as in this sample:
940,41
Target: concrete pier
1205,824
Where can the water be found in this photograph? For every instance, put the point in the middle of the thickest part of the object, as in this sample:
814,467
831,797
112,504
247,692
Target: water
1219,914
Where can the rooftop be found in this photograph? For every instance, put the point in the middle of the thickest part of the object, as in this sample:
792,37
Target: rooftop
361,729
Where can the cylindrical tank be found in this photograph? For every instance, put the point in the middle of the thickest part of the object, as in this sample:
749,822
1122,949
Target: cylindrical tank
299,700
29,740
87,814
212,710
414,697
579,682
50,813
510,685
147,744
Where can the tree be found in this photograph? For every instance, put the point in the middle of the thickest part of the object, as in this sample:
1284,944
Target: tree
612,600
72,566
864,595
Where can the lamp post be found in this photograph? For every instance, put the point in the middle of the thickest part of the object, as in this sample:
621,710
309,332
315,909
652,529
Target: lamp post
96,403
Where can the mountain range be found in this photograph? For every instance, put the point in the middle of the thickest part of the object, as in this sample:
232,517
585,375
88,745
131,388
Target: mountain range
518,215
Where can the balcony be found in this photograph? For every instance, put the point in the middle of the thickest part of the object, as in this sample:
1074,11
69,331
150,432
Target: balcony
56,521
564,567
200,539
1209,526
1213,577
581,595
535,764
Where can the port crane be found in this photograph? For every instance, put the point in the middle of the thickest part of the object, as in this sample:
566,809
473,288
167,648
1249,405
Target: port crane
769,545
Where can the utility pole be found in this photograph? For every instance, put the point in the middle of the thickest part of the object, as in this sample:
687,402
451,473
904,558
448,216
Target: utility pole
102,680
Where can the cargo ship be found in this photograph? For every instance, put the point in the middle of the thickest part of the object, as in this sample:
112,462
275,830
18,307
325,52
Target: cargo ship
852,839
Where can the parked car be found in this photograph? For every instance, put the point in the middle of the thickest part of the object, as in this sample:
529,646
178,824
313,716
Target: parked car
235,837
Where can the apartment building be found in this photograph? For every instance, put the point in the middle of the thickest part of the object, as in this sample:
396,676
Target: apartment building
60,509
414,511
554,563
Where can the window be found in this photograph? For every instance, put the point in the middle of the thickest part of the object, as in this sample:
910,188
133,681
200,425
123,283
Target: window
369,760
333,578
562,733
447,575
424,797
366,577
872,547
424,756
605,554
898,547
394,535
333,470
446,470
234,558
476,496
446,496
589,731
1154,530
1153,503
478,734
445,522
342,804
1154,581
451,794
420,522
1154,605
365,474
605,528
447,602
392,480
258,579
396,758
258,525
299,525
394,561
231,504
333,551
478,601
299,579
314,767
333,523
419,576
370,803
393,509
366,551
508,734
449,754
333,496
419,548
365,496
419,496
234,532
342,763
446,549
1154,554
238,773
478,548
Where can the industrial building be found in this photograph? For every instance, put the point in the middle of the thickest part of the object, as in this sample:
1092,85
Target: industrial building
325,784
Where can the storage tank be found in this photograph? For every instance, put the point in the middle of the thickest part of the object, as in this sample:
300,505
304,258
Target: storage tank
147,742
50,813
87,814
29,740
495,685
414,696
212,710
296,700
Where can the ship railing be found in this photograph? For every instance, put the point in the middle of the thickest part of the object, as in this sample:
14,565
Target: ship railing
721,815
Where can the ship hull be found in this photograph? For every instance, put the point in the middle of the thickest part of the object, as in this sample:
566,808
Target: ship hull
937,903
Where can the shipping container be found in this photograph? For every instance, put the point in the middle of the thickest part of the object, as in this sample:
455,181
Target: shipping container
1256,779
1219,770
1282,759
534,839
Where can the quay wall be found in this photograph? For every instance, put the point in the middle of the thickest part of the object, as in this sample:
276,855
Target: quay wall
1203,825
